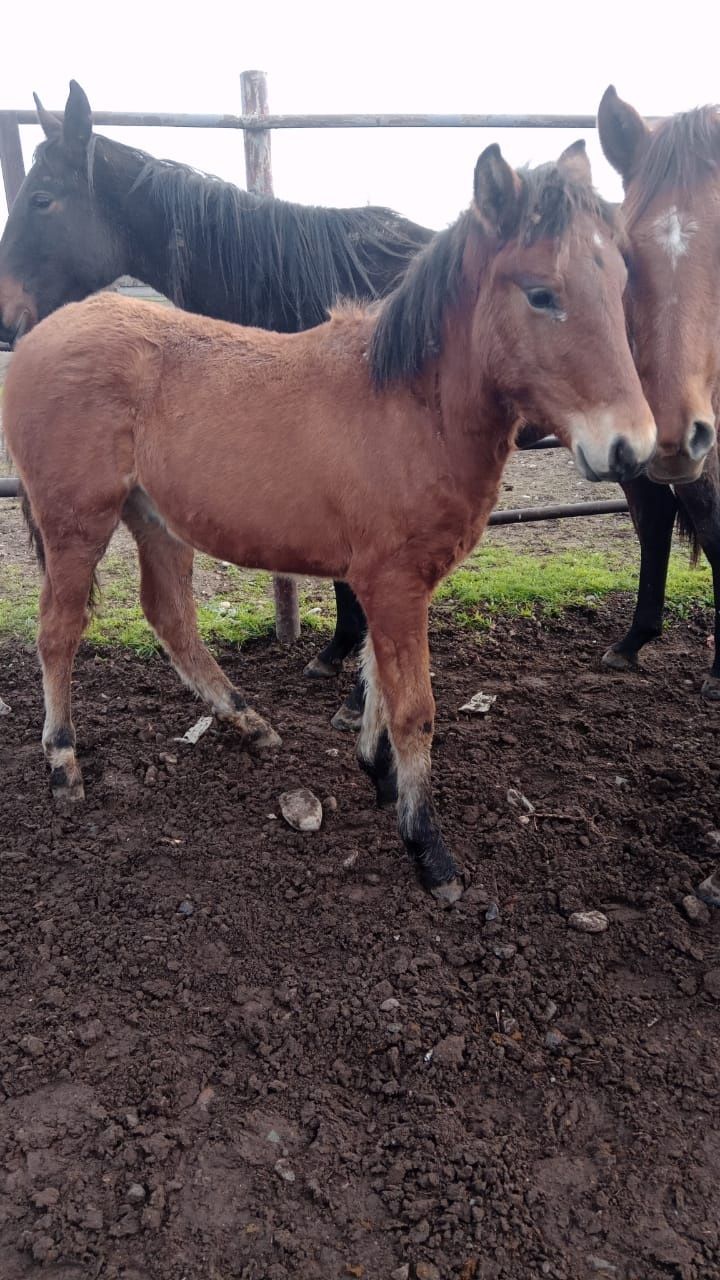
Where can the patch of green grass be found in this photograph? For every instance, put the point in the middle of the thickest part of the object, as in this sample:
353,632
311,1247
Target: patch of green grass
495,580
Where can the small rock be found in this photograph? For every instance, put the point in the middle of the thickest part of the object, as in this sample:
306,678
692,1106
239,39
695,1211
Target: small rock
389,1005
46,1198
479,704
420,1233
92,1218
450,1051
283,1170
401,1273
492,912
548,1013
588,921
330,804
32,1046
555,1040
186,908
301,810
711,983
136,1193
709,889
4,708
151,776
426,1271
695,910
601,1264
510,1026
504,950
274,1137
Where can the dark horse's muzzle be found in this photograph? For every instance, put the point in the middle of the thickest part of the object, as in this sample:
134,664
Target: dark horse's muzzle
9,337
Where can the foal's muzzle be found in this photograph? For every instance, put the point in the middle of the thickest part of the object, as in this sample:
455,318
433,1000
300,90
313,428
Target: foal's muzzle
621,464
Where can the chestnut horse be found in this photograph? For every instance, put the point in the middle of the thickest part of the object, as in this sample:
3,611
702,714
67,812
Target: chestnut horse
92,209
369,449
671,176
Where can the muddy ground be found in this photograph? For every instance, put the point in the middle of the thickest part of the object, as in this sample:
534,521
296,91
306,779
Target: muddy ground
233,1051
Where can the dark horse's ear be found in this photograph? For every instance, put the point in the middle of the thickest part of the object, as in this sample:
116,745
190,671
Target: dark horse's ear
77,124
496,192
624,135
574,161
49,123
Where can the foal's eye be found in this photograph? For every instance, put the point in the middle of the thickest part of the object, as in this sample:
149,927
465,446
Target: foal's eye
542,300
41,200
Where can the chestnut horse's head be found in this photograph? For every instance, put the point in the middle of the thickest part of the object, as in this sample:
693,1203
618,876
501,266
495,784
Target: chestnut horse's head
59,244
671,176
551,306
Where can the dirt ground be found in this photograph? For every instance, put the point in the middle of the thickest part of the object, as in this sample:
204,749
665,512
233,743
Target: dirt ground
233,1051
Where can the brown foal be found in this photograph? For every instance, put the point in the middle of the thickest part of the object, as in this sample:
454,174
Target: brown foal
369,449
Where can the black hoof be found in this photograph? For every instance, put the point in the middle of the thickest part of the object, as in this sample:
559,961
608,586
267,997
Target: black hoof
386,790
711,688
319,669
347,719
614,660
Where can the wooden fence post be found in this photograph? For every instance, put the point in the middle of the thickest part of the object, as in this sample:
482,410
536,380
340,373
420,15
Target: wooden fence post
11,156
258,171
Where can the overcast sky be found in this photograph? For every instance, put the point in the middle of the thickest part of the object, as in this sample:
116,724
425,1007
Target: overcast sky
381,55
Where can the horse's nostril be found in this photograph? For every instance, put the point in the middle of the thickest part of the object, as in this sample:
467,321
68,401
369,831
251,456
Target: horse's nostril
701,438
623,459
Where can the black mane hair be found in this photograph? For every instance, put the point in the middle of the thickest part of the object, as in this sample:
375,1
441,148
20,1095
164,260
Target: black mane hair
409,328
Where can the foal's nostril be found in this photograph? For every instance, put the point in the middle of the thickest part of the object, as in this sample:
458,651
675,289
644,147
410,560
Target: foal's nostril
623,459
701,438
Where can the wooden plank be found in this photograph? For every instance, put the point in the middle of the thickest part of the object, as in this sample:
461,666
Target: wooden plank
258,170
11,156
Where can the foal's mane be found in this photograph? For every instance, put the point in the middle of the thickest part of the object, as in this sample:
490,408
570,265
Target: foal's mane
410,324
681,152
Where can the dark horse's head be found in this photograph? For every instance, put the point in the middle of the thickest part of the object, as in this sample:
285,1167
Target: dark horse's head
58,245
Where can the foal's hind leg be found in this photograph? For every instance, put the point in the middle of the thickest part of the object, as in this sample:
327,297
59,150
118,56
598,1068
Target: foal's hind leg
397,613
69,569
169,606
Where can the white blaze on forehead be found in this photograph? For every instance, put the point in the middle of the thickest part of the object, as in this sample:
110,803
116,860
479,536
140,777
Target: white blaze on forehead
673,232
597,239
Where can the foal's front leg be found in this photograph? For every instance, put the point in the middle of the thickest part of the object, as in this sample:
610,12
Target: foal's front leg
701,500
399,690
653,508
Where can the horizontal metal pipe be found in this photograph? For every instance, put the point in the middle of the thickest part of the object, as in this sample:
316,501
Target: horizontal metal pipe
527,514
10,488
547,442
194,120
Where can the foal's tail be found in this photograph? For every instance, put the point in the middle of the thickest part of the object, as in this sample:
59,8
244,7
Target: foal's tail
688,533
38,546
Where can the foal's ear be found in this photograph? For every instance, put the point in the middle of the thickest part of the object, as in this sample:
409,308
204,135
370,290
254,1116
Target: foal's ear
624,135
49,123
496,192
77,124
574,161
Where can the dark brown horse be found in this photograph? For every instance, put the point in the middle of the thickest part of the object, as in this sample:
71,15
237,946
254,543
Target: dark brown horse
671,176
369,449
91,210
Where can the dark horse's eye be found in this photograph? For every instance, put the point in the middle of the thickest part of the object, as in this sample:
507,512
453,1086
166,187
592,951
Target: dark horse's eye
41,199
542,299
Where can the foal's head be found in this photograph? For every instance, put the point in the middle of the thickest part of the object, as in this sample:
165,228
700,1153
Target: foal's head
59,243
671,176
533,273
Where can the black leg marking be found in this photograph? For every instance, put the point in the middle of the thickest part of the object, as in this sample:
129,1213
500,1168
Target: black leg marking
381,771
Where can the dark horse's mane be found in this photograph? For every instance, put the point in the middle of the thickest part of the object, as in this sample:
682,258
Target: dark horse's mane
284,265
681,152
409,329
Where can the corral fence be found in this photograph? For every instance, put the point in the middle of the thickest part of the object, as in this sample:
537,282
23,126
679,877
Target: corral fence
257,125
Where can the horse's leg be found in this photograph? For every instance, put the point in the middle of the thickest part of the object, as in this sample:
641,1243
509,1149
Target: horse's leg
374,749
350,628
399,690
63,617
701,501
653,508
169,606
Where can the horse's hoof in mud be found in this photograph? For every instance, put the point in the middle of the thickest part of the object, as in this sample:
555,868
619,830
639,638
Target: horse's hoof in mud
259,735
318,669
711,688
348,719
614,660
66,786
449,892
